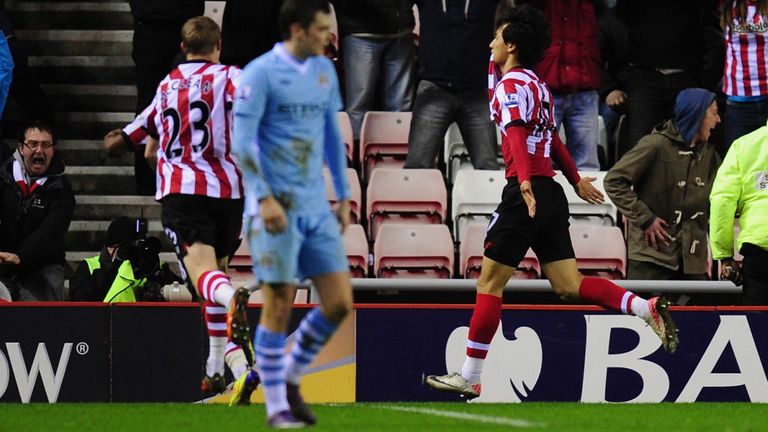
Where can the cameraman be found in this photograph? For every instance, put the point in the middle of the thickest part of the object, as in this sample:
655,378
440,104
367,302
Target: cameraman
128,268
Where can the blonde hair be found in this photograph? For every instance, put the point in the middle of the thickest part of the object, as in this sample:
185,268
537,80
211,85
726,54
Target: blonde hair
728,16
200,35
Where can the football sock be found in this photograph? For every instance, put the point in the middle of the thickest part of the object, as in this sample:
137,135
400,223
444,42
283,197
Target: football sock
313,332
639,306
270,360
605,293
216,323
482,327
236,360
215,287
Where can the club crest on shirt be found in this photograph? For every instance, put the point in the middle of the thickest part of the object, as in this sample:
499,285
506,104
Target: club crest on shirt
245,92
511,100
323,80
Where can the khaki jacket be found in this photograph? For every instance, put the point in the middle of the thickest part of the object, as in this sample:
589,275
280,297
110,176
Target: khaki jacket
663,177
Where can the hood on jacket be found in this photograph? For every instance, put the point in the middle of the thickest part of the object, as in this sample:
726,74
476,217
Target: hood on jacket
690,107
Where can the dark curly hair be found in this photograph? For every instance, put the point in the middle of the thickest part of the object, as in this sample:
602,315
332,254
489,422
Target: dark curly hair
528,29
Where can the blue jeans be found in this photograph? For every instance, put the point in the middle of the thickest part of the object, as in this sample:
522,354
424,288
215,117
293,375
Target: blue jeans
742,118
435,109
577,112
370,64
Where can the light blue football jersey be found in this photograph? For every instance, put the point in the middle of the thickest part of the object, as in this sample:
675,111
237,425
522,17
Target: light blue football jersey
285,128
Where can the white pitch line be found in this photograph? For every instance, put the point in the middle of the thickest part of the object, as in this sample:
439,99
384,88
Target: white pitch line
464,416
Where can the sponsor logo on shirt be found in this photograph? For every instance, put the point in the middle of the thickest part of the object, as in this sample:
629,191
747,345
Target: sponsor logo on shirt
245,92
511,100
323,80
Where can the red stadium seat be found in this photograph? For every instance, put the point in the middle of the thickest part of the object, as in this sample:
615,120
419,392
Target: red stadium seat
600,250
405,196
471,255
413,251
345,127
356,247
354,185
383,140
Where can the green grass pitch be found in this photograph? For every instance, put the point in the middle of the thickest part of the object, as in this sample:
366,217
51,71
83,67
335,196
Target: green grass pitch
418,417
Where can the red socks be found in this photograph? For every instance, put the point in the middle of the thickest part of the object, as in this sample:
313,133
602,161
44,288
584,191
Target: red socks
605,293
482,327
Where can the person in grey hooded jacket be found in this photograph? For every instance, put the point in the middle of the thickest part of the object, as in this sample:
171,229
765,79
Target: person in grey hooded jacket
662,186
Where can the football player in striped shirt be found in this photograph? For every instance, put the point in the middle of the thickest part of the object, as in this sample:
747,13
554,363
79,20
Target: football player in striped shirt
285,127
200,187
534,211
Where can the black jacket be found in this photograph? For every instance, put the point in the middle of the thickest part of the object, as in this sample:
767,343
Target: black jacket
385,17
34,227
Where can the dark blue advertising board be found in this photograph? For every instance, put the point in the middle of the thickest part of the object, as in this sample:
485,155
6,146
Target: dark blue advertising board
566,354
54,352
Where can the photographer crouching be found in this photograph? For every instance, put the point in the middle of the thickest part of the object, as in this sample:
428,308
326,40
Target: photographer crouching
128,269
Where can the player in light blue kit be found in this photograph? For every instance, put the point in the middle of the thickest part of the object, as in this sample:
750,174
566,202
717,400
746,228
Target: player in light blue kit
285,128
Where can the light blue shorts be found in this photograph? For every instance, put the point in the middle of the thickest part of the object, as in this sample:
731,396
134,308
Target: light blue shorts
310,246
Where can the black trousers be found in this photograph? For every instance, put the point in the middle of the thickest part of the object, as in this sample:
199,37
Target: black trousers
155,44
754,270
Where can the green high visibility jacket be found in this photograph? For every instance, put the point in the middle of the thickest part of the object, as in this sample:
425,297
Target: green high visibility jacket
125,283
741,188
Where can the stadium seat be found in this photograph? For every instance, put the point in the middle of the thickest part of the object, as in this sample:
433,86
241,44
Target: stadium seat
471,255
582,211
475,195
600,250
455,152
413,196
413,251
356,247
345,127
383,140
354,185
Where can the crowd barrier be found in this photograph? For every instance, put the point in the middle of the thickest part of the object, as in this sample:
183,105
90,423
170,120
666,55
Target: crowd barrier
76,352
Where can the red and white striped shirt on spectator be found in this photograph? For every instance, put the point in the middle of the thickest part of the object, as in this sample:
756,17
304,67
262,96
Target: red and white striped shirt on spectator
746,52
192,118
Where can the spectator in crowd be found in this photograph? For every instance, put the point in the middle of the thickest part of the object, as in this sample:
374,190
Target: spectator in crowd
378,52
741,190
661,186
672,45
127,269
571,69
745,81
36,205
248,30
156,39
25,90
613,50
453,86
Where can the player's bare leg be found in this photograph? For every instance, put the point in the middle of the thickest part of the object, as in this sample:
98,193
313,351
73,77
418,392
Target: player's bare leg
485,319
570,285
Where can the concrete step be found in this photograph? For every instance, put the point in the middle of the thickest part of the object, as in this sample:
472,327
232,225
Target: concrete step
74,125
77,42
82,69
84,152
86,235
82,97
73,15
101,180
107,207
90,152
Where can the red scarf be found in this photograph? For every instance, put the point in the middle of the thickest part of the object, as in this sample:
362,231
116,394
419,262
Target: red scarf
20,175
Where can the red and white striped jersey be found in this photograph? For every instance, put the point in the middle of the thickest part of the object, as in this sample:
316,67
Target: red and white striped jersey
192,119
136,131
520,99
745,55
